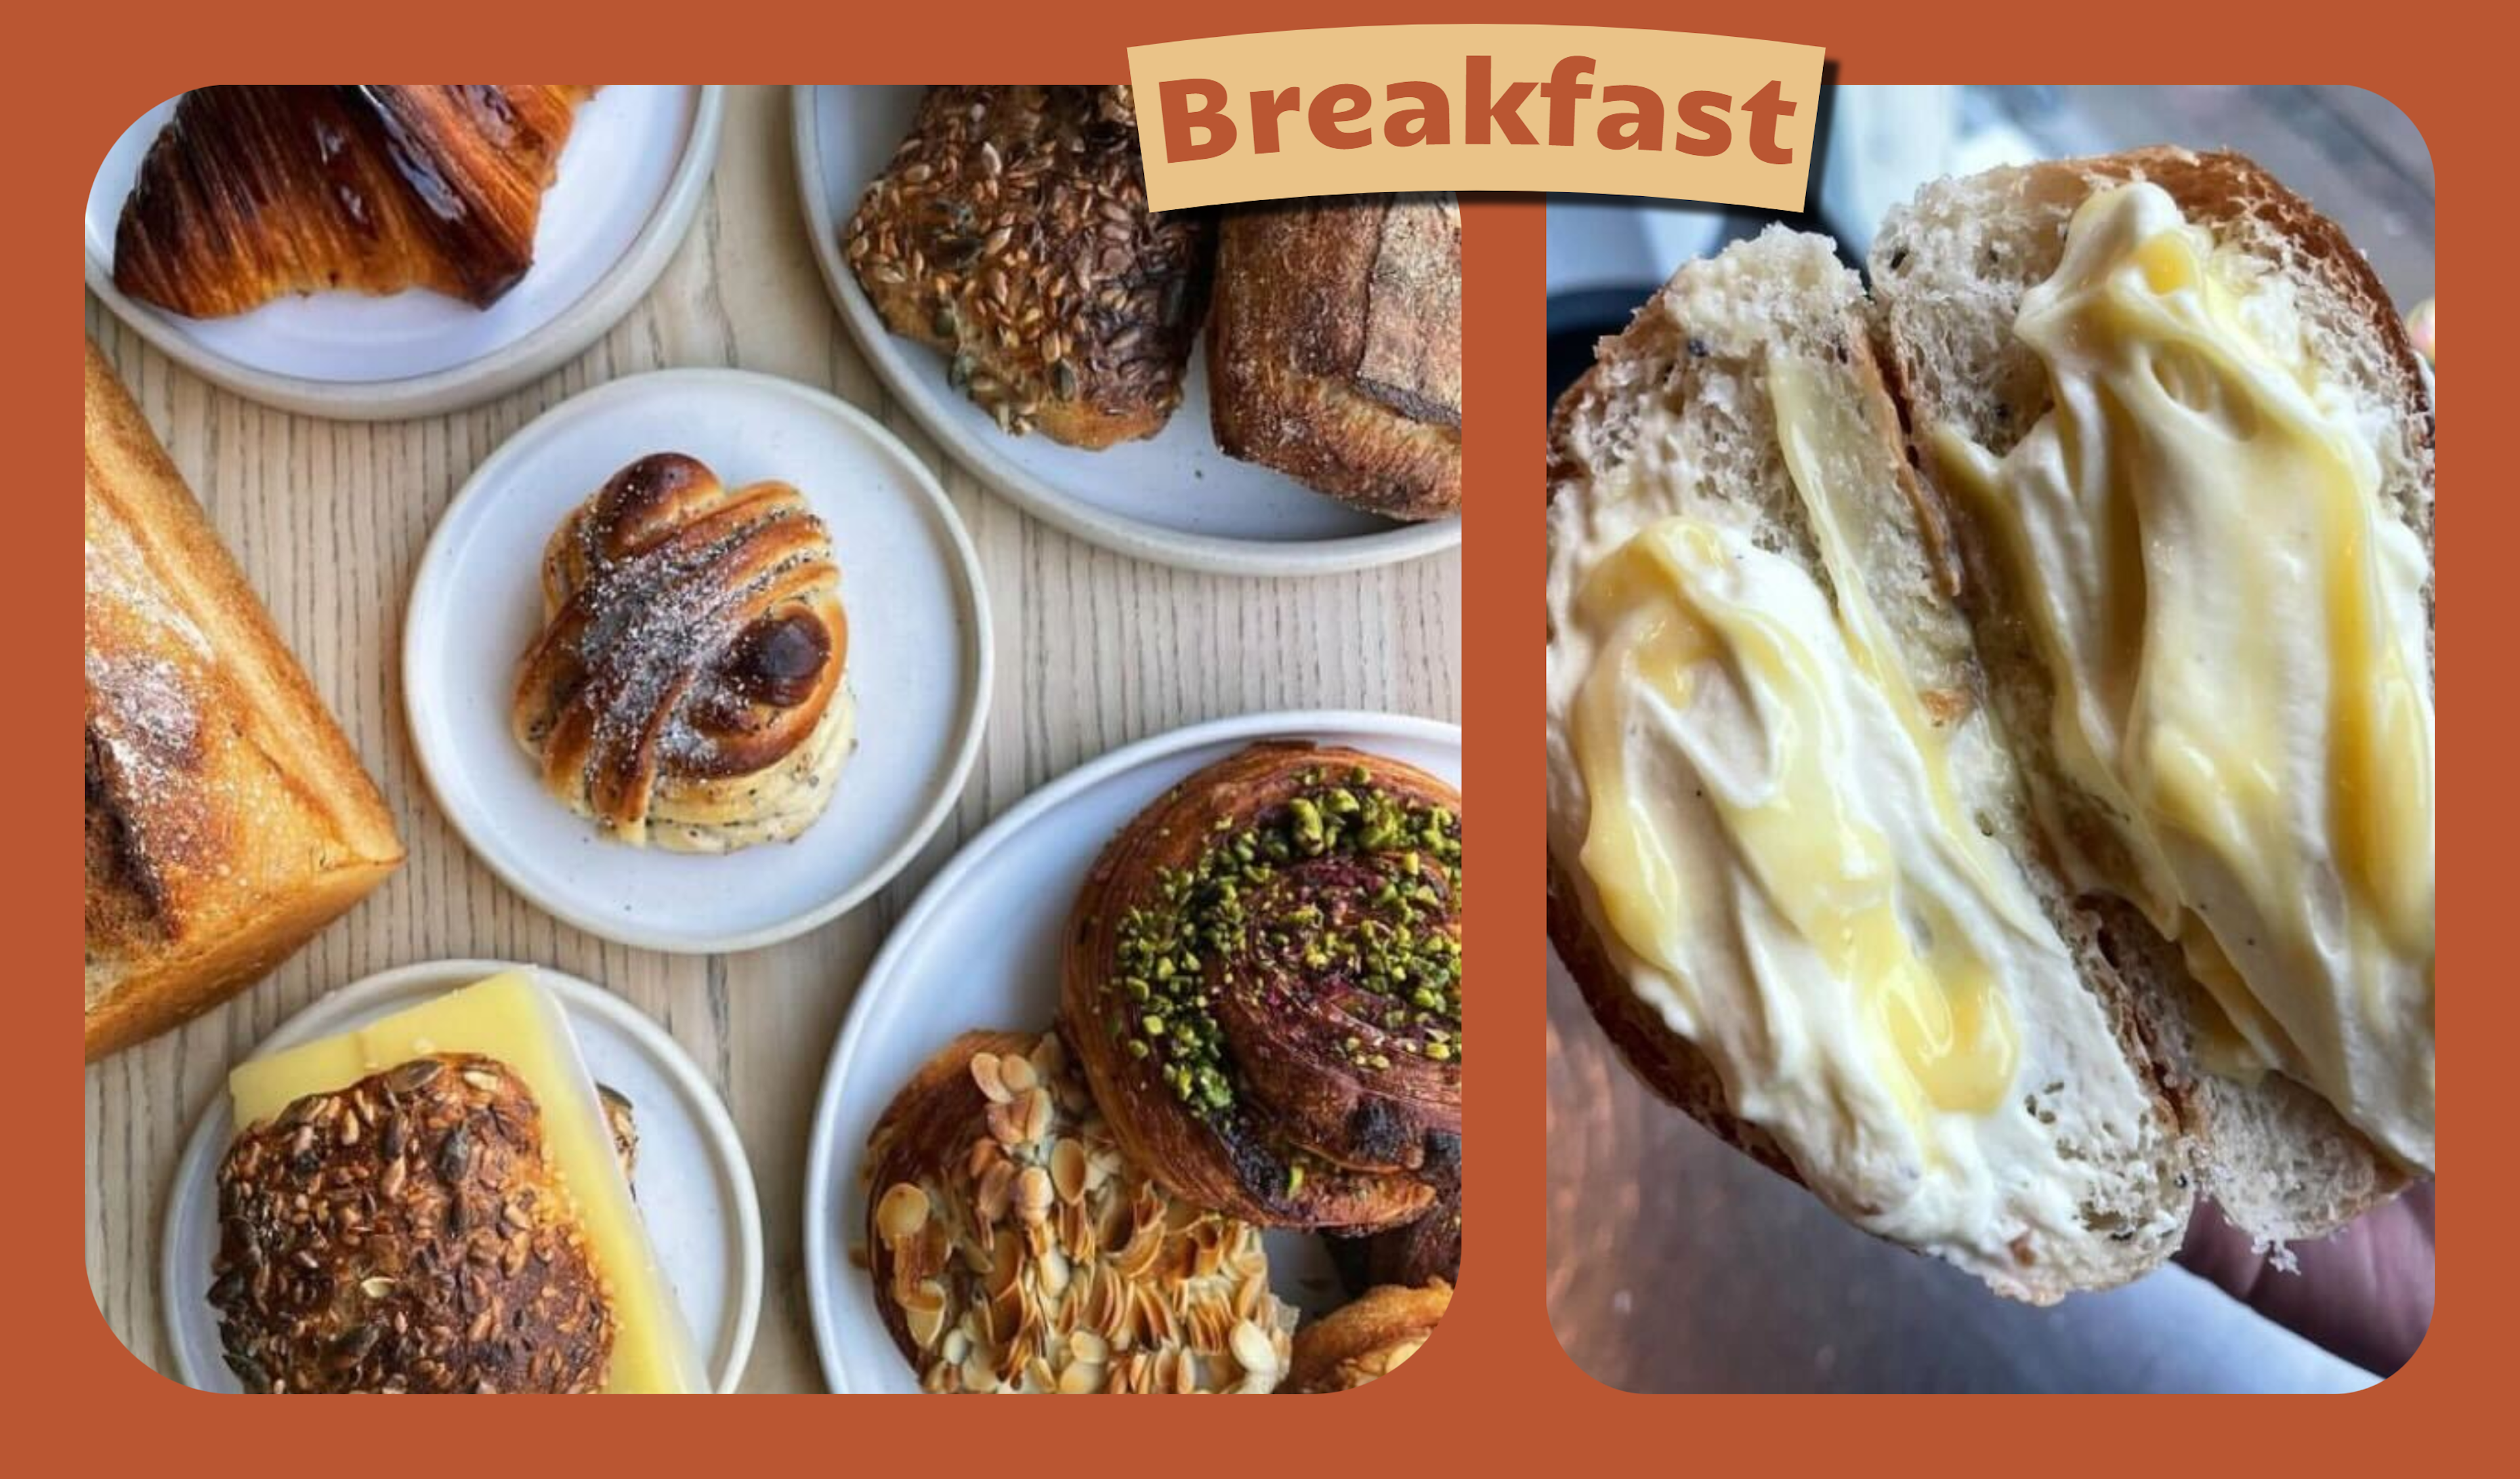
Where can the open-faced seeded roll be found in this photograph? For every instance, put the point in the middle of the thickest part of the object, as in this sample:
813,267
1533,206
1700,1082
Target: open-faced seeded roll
408,1233
1264,978
1016,1250
1361,1342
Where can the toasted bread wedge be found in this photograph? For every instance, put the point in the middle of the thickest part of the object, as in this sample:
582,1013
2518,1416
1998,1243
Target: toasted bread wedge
1950,272
2075,1176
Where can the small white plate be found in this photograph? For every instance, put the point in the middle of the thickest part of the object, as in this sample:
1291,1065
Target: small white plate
1174,497
980,950
695,1186
631,179
918,658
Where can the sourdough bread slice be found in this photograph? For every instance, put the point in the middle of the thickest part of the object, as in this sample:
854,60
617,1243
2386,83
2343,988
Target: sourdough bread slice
1677,417
1950,272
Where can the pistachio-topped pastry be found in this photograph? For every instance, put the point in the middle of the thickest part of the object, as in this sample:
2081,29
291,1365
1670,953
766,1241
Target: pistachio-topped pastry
1263,977
1014,1249
407,1233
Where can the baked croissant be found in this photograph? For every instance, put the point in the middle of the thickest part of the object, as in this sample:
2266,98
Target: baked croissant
1014,1249
1263,979
688,688
254,193
408,1233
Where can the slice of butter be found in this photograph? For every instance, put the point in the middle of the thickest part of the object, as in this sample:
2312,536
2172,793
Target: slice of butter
510,1019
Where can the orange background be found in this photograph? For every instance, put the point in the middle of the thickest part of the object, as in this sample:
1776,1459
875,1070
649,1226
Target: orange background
1493,1386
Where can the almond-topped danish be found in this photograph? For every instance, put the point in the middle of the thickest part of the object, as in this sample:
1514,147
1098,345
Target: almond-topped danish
255,193
1014,1249
1263,978
688,688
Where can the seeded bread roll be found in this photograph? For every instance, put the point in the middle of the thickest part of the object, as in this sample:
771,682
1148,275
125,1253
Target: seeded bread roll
228,819
1950,270
1264,979
1361,1343
407,1233
1336,351
1010,231
1014,1249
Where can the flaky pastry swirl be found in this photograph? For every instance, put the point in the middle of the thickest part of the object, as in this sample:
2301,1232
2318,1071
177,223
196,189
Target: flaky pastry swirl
688,688
1263,977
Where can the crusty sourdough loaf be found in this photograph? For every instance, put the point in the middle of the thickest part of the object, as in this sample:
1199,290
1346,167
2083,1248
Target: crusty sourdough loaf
1334,353
227,818
1950,271
1699,351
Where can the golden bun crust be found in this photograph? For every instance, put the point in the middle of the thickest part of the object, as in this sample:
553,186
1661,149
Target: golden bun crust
688,687
227,818
1263,979
1014,1249
1363,1342
1336,351
408,1233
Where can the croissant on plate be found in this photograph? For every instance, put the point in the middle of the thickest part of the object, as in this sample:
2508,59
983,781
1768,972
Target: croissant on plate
1263,979
688,687
252,194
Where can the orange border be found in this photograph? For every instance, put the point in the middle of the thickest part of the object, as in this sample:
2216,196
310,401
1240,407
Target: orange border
1494,1384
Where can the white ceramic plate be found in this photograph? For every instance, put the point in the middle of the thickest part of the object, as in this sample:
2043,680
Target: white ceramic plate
980,950
695,1186
631,178
918,658
1174,498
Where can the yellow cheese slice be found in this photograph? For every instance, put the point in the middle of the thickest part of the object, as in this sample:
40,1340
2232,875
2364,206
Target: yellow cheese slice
512,1019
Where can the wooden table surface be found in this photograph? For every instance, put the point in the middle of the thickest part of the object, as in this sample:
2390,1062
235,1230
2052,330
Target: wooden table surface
1094,650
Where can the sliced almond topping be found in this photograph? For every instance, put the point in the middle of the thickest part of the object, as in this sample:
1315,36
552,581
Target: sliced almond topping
1067,1169
1033,1194
985,1072
902,1213
1253,1351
